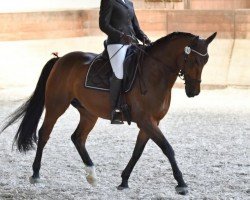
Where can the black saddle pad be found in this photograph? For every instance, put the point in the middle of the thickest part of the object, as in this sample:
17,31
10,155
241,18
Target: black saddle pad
100,71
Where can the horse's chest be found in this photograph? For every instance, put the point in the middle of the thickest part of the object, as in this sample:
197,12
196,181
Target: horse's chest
164,109
162,106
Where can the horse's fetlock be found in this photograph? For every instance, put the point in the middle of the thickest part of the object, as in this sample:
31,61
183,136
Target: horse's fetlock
172,152
124,176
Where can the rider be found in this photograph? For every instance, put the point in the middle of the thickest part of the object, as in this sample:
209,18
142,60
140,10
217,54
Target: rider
118,20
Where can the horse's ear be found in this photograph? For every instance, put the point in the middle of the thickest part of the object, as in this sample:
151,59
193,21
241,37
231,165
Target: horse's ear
211,38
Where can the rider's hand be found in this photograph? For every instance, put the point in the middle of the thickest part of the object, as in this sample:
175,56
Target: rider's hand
146,40
127,39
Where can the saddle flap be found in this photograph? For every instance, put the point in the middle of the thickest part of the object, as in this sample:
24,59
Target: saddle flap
100,70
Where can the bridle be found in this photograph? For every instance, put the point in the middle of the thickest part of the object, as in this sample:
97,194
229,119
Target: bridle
181,74
188,80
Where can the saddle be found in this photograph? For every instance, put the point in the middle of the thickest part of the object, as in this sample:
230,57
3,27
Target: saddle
100,70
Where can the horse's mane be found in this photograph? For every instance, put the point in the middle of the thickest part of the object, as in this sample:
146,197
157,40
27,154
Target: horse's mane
172,36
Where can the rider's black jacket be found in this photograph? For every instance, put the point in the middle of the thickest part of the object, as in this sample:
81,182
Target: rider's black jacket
117,18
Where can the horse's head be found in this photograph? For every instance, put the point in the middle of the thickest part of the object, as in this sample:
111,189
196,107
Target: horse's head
195,57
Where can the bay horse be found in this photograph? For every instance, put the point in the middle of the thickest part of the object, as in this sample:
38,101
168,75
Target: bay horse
61,81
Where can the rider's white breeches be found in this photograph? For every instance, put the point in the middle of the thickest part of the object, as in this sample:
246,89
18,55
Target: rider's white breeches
118,59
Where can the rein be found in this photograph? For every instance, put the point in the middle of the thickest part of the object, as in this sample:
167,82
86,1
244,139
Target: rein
181,74
156,59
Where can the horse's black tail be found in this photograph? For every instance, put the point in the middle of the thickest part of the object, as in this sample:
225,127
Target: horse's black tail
31,112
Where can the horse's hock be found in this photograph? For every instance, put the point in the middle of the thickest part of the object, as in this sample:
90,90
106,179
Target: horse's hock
31,37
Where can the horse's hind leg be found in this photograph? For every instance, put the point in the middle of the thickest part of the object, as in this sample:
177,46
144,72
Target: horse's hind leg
141,142
52,114
79,137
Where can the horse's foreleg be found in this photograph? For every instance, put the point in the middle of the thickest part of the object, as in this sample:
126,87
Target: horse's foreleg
152,130
79,137
141,142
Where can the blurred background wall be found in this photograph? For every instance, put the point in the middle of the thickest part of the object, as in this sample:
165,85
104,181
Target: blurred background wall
31,30
193,4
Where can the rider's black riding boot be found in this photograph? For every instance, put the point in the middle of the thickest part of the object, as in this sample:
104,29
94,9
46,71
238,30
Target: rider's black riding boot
115,91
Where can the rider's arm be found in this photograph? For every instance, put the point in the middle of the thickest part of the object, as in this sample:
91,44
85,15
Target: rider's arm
104,20
139,33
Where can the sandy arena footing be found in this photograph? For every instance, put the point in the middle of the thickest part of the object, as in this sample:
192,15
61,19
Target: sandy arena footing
209,133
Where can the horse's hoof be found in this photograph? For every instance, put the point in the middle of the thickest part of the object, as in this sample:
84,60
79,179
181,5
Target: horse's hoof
181,190
91,175
92,180
122,187
34,180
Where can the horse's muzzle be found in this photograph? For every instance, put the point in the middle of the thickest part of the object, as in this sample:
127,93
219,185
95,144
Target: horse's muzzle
190,95
191,92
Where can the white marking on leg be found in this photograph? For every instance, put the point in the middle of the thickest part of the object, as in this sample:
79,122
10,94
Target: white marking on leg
91,175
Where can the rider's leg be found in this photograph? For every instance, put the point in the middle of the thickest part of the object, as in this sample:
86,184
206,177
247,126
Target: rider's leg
117,53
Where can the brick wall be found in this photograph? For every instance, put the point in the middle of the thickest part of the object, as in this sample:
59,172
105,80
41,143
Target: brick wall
242,24
159,4
219,4
202,22
153,21
40,25
35,25
192,4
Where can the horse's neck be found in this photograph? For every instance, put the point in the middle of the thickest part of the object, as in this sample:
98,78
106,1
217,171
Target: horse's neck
166,71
